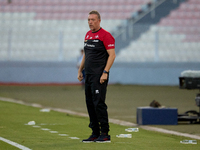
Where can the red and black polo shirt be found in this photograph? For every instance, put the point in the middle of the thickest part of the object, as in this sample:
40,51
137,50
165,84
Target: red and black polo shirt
96,45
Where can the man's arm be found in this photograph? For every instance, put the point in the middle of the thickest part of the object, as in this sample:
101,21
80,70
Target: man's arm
110,61
80,74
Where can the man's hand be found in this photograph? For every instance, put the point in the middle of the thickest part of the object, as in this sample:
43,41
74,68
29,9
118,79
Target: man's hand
111,58
103,78
80,76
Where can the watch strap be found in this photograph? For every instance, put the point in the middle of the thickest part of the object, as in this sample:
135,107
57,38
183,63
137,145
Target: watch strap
105,71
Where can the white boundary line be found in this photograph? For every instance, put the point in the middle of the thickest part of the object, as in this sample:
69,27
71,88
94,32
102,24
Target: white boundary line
14,144
115,121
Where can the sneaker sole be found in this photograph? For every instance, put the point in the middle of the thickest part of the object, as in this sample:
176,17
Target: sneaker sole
87,141
103,141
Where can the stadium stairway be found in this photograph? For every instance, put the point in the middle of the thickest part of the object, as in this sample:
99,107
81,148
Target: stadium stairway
175,38
141,25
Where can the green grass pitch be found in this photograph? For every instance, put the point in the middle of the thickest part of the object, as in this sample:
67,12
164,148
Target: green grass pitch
14,118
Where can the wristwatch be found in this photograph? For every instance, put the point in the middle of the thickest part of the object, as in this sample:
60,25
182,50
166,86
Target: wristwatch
105,71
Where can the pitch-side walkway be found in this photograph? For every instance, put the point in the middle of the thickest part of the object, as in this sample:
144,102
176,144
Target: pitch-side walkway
115,121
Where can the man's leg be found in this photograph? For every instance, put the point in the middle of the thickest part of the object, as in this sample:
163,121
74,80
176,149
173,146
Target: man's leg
94,124
99,92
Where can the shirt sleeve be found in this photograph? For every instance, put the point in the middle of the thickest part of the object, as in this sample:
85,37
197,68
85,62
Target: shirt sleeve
109,41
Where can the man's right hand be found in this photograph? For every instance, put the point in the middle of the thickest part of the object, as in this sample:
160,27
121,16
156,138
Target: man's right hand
80,76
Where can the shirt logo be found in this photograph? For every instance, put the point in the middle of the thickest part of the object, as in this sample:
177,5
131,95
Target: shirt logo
95,40
87,36
111,45
97,91
89,45
97,36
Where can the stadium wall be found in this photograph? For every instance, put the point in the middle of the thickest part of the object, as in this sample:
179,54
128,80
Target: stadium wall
66,73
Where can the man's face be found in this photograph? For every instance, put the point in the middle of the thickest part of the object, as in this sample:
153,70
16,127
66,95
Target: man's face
94,22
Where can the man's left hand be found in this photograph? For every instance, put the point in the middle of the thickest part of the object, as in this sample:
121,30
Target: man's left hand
103,78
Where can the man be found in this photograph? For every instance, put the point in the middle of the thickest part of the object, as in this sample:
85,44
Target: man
99,55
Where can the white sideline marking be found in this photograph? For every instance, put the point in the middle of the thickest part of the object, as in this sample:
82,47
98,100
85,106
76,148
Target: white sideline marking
36,126
53,131
74,138
14,144
63,134
45,129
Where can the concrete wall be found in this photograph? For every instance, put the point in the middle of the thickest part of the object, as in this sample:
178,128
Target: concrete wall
66,72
